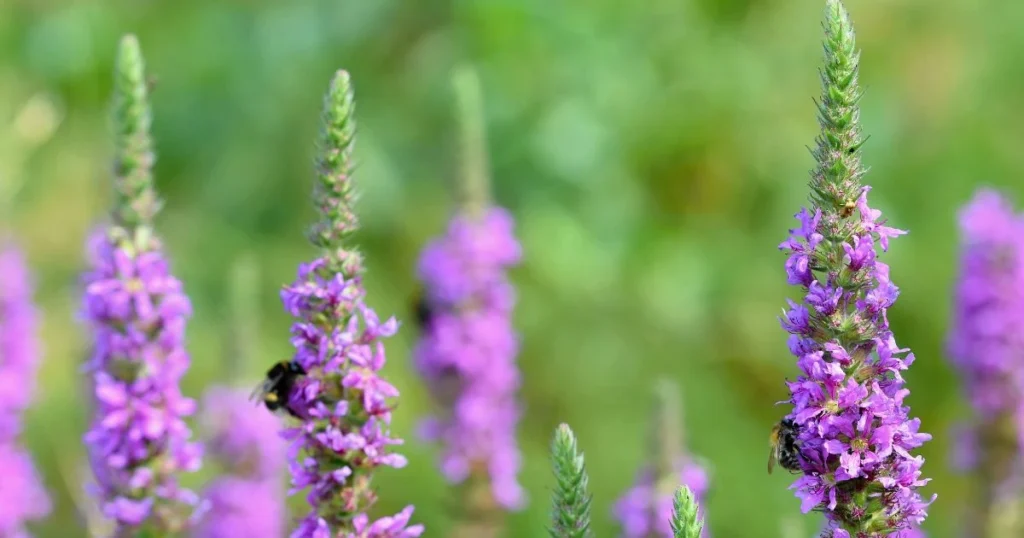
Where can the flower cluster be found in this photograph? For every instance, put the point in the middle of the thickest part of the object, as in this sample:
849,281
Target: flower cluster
647,508
22,496
986,345
854,430
343,402
138,440
913,532
468,349
137,312
247,501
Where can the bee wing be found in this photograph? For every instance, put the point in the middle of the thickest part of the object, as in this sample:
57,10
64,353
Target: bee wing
263,388
775,444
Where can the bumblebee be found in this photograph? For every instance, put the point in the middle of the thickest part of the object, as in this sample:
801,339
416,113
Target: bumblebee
276,389
784,447
424,312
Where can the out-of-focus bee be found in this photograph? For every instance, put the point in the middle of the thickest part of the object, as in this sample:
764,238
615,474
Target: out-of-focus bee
275,390
424,312
784,447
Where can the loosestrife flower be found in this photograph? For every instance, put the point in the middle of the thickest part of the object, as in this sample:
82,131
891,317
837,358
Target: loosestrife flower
22,497
855,433
647,508
138,441
912,532
343,434
247,500
986,345
468,348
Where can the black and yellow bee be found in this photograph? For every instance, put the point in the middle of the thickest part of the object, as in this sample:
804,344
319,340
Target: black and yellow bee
784,449
276,389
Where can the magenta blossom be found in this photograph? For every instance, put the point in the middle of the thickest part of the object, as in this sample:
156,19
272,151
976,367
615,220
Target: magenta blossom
467,353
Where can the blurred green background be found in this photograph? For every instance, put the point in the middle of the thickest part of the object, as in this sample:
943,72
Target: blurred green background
653,153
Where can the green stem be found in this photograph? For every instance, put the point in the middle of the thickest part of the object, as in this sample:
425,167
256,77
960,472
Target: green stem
474,177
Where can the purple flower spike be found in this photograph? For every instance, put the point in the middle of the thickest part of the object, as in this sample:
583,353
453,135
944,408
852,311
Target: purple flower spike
467,349
831,531
137,311
343,432
646,510
247,500
467,352
22,497
986,345
19,344
854,434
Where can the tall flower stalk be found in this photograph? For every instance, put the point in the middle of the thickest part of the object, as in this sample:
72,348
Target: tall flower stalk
855,434
646,509
136,309
467,351
570,509
986,345
22,496
343,433
247,498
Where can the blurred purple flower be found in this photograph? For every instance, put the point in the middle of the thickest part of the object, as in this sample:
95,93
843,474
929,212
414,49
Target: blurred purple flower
19,344
343,431
136,311
22,496
646,509
467,352
986,342
138,441
248,500
986,345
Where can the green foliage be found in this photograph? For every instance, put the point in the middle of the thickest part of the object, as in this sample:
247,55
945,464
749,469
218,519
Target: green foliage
570,509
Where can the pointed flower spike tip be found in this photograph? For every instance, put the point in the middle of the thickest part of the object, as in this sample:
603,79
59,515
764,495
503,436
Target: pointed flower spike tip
570,512
334,194
686,522
136,202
